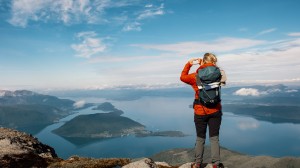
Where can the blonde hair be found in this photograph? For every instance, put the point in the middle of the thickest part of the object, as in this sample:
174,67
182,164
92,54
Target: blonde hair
210,58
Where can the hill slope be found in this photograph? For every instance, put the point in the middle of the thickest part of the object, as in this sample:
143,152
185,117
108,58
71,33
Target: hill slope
30,112
100,125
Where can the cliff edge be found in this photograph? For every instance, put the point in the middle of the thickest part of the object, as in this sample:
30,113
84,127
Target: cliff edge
18,149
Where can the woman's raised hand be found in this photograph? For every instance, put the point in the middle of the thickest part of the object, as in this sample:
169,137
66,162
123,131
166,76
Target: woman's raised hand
195,61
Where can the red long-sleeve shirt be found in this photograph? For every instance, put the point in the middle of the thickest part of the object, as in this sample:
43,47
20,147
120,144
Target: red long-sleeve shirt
191,80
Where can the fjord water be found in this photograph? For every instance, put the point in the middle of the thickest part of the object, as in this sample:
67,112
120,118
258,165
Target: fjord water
239,133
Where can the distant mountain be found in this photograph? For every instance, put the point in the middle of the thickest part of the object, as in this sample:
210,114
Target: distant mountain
108,107
273,94
29,97
30,112
126,94
29,118
285,94
274,103
274,113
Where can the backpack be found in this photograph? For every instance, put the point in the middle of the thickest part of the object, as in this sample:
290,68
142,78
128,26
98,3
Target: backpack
209,85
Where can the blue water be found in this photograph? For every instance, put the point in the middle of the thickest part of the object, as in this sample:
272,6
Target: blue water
238,133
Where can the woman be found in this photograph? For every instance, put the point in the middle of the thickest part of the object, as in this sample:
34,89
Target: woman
204,116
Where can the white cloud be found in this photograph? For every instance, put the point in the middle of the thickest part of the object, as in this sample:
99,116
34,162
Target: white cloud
247,92
291,91
219,45
79,11
79,104
135,26
276,62
66,11
149,6
151,11
22,10
267,31
294,34
269,63
89,46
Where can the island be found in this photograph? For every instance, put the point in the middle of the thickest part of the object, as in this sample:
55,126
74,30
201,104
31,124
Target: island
108,107
107,125
99,125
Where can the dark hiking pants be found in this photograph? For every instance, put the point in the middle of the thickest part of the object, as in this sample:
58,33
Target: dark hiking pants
213,121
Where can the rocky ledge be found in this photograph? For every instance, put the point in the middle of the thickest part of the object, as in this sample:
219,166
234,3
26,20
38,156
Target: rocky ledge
18,149
22,150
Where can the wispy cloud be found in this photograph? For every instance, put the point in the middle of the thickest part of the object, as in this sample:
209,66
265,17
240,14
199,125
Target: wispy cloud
89,45
261,62
66,11
266,31
294,34
134,26
151,11
81,11
219,45
271,63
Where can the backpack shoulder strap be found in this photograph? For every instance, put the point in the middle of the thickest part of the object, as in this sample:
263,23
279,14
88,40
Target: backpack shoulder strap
198,81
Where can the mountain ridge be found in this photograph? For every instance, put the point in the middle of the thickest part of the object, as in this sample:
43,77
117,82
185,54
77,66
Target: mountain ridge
23,110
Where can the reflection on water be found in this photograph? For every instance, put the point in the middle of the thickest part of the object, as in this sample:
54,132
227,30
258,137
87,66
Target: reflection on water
239,133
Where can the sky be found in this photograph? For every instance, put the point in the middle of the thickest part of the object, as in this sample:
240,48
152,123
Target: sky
98,44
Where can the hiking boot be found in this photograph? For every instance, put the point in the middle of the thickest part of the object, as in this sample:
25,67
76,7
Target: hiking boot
198,165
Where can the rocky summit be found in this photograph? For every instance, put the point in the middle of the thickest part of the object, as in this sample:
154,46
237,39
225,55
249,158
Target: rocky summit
18,149
21,150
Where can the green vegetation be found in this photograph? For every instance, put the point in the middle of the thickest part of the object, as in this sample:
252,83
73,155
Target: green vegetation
31,112
106,106
100,125
86,128
29,118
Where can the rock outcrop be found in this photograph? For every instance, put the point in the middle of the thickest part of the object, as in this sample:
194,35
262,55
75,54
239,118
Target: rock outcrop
19,149
229,158
80,162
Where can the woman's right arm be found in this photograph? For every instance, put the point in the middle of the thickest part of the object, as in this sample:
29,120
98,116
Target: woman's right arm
185,77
